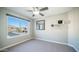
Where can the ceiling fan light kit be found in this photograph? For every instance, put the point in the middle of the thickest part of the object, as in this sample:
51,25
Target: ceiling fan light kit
36,12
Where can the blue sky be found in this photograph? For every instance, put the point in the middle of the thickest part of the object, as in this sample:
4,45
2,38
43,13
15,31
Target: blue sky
17,22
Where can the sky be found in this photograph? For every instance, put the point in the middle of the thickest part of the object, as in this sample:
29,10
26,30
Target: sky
17,22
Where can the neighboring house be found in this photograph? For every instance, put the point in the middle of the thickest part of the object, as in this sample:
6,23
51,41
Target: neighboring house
12,28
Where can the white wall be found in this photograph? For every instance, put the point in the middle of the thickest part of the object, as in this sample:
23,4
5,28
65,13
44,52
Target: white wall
68,33
56,33
4,41
73,28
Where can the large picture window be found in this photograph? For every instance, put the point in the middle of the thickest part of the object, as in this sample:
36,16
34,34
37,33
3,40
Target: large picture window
17,26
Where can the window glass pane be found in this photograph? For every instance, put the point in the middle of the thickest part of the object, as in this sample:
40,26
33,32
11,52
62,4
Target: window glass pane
17,26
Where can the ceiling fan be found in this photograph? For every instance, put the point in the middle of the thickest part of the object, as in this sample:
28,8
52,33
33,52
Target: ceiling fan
37,10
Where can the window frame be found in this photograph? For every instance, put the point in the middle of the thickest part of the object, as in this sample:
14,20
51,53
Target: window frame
18,18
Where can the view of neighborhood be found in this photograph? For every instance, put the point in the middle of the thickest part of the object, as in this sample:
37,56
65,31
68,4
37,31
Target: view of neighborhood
12,28
17,26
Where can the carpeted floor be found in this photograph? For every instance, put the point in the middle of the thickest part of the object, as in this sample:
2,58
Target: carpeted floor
40,46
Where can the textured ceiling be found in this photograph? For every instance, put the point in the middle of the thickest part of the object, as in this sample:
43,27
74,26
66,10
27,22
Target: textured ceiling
51,11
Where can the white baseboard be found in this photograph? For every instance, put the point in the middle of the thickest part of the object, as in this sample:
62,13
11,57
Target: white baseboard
60,43
1,49
74,47
52,41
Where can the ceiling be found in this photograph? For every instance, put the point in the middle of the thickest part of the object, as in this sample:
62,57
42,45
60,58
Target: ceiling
51,11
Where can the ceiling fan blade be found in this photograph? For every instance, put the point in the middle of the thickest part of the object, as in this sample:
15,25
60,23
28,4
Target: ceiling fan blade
43,9
41,14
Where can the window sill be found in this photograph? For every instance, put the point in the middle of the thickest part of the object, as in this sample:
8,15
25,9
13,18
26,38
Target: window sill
19,35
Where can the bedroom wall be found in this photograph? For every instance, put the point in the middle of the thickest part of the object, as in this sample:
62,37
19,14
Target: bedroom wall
4,41
73,28
56,33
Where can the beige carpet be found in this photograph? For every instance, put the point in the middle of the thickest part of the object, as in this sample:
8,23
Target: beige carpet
40,46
